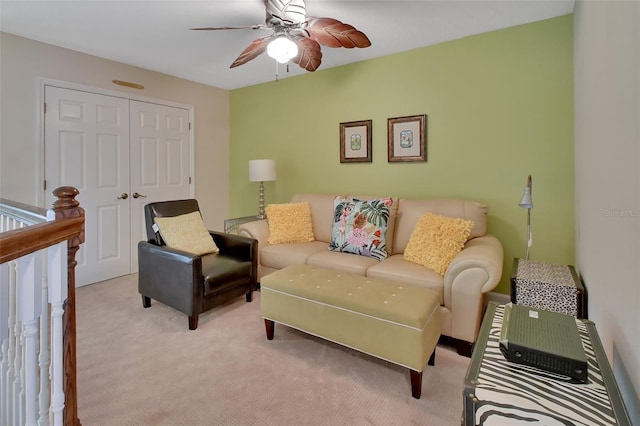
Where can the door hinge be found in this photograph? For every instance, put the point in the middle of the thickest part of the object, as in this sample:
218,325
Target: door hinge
189,125
189,180
45,184
45,107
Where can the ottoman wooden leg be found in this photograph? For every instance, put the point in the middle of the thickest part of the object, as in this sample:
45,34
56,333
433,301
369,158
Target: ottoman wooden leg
416,383
268,325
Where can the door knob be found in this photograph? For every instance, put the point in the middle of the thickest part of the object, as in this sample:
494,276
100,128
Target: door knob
136,195
124,196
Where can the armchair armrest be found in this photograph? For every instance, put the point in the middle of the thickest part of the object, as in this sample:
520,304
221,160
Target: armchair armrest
476,270
240,247
169,276
235,245
167,253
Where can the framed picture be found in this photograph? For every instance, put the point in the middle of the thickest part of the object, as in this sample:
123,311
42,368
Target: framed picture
407,138
355,142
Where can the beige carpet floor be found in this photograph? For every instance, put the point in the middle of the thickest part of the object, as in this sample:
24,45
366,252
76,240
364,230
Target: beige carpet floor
144,367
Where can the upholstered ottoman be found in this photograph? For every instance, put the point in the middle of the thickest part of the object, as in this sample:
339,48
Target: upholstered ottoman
395,322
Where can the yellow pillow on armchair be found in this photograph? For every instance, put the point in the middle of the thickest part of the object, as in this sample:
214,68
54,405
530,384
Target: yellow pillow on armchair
186,232
289,223
436,240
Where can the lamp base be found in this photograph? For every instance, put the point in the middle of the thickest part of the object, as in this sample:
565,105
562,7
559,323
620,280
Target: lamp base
261,201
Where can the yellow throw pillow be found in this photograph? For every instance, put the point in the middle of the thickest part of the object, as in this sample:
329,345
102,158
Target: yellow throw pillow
436,240
186,232
289,223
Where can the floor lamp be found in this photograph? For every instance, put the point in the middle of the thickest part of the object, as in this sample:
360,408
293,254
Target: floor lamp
262,171
527,203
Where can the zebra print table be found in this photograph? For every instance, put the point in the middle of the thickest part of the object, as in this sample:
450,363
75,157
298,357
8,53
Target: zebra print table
501,393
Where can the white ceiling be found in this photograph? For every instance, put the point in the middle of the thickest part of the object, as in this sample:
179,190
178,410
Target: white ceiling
154,34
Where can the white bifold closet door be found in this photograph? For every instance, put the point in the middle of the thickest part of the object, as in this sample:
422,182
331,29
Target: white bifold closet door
121,154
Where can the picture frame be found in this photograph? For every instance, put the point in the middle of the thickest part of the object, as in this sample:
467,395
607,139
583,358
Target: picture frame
407,138
355,142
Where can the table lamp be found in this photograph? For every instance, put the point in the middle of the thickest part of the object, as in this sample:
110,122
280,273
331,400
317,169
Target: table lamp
262,171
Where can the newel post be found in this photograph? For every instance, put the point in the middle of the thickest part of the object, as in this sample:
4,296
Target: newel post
65,207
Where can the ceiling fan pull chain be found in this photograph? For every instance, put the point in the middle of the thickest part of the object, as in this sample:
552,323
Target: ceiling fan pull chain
276,70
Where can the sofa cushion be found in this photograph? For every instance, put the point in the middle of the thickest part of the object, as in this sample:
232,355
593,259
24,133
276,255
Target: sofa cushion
289,223
410,211
221,273
321,213
396,268
278,256
186,232
436,240
339,261
360,227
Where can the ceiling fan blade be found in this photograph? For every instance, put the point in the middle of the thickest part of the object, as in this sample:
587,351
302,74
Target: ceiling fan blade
287,11
256,48
249,27
309,53
333,33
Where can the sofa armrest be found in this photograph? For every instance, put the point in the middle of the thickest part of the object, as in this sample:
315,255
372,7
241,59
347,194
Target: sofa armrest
476,270
258,230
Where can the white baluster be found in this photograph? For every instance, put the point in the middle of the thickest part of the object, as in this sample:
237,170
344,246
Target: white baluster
44,351
4,343
29,296
18,362
12,399
57,280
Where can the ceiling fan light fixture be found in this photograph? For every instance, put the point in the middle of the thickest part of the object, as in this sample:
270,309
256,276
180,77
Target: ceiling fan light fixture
296,37
282,49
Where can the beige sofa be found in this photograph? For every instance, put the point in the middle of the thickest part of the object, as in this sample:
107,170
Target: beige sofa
476,270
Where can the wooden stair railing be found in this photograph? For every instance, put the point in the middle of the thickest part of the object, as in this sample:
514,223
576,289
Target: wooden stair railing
66,224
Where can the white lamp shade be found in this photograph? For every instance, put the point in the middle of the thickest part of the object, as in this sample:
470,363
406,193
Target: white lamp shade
262,170
282,49
526,201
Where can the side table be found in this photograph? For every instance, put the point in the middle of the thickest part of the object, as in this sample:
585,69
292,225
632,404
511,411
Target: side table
548,286
231,225
499,392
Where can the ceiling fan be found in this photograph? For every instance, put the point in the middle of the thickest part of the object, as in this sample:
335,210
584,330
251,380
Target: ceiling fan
295,36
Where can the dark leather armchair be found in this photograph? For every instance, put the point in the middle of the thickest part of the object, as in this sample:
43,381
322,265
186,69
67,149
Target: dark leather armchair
192,283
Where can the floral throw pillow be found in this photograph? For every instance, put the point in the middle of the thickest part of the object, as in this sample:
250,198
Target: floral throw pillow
360,227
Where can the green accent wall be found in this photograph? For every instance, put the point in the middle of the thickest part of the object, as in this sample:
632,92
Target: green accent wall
499,107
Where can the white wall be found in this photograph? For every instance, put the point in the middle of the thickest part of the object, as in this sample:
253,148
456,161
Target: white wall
607,164
23,62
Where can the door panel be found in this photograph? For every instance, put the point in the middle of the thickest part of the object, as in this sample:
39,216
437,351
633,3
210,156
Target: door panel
87,146
71,152
160,161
